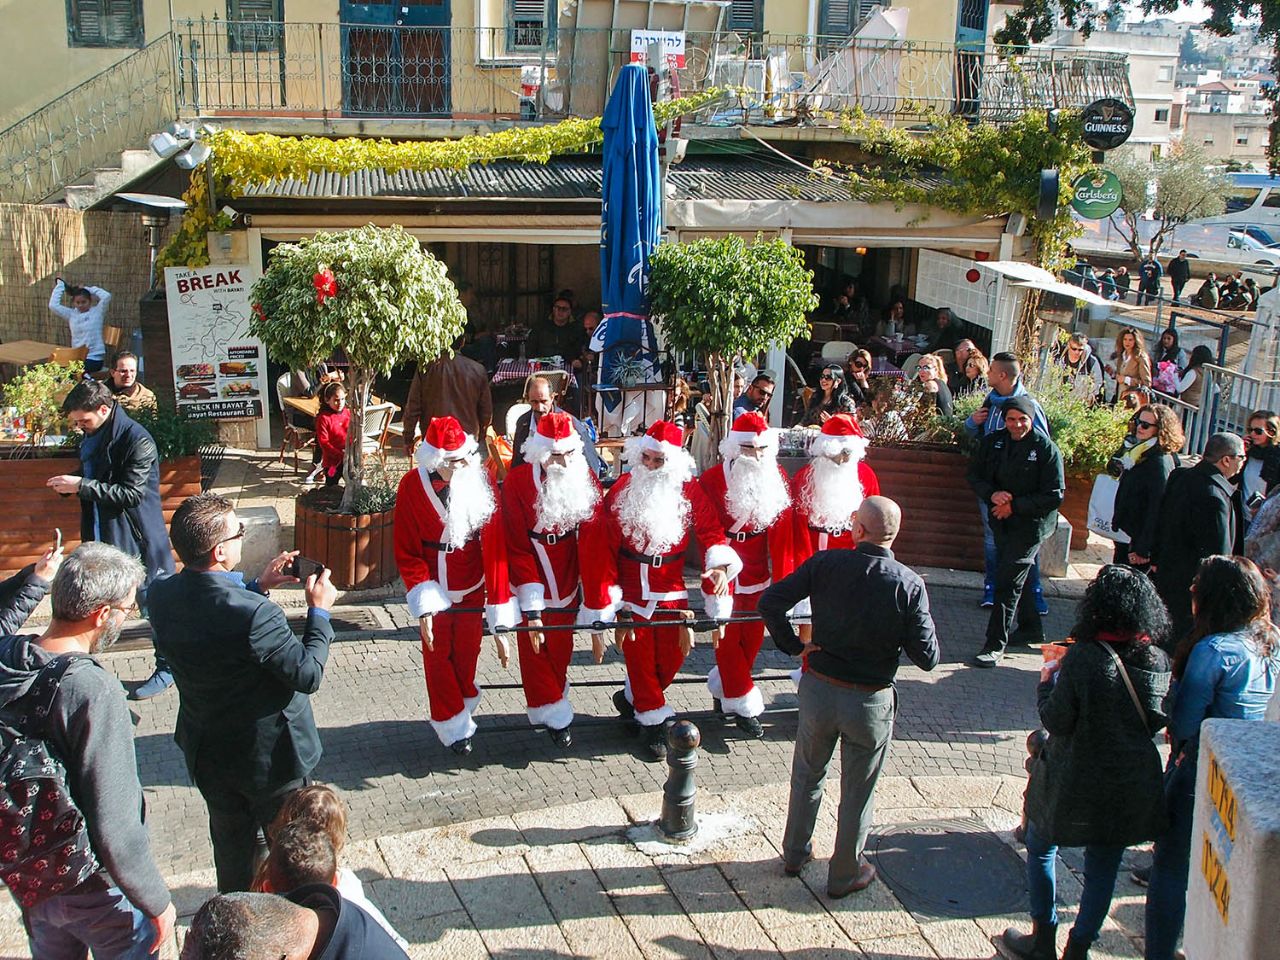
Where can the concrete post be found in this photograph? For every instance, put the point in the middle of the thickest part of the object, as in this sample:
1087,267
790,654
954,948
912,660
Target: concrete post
678,820
1235,843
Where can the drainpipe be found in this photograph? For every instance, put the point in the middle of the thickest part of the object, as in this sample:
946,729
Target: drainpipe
811,28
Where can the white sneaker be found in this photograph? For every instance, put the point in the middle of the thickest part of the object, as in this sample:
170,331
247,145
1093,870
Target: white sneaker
311,477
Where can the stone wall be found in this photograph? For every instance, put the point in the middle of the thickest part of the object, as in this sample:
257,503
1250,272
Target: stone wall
40,242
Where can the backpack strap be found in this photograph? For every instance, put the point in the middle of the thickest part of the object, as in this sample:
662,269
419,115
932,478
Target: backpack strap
45,687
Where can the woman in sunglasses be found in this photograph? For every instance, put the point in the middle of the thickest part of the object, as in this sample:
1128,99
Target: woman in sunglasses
860,387
1146,465
831,397
1262,464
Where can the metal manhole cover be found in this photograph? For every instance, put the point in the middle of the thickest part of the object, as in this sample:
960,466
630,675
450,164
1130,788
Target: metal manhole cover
949,868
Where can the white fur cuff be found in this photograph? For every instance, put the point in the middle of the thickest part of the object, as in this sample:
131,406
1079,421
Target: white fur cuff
532,597
502,616
652,718
589,615
722,555
718,608
801,611
555,716
750,704
428,597
458,727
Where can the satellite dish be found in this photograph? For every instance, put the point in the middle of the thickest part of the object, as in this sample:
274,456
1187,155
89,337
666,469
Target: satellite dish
154,200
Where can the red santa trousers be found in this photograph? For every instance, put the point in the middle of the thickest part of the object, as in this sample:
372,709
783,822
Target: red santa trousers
730,681
545,674
653,658
450,667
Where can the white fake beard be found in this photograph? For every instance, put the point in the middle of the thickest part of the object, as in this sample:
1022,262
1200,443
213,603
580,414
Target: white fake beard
568,496
652,509
756,493
833,494
471,503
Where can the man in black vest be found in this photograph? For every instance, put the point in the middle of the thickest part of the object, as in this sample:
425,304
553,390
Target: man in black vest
244,718
1017,472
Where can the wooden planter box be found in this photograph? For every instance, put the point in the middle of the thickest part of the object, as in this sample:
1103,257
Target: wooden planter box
1075,507
941,525
34,510
359,550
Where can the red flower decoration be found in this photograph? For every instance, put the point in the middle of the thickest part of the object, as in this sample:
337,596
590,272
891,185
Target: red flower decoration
262,314
326,285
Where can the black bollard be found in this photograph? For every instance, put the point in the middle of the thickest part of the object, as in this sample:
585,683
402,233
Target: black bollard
679,821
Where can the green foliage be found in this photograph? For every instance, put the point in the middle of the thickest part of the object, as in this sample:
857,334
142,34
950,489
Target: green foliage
729,298
985,169
395,300
1087,435
175,435
37,394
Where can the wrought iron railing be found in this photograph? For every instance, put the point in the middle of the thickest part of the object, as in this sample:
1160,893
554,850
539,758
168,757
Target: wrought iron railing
1227,401
335,70
88,127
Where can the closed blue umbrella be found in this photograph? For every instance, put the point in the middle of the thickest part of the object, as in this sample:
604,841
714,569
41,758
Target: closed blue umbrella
630,223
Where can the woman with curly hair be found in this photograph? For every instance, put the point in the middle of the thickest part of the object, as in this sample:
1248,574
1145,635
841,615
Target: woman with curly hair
1146,465
1097,782
1226,667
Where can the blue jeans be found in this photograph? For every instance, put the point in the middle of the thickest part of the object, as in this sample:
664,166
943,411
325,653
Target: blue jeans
1167,893
1101,864
989,555
68,926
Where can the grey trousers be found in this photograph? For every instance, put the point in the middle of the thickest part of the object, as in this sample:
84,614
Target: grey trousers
862,722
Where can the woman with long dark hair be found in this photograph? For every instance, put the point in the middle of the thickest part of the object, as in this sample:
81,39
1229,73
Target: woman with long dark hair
1096,783
1225,667
831,397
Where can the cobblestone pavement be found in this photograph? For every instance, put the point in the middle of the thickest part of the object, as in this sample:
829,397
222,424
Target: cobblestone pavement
397,777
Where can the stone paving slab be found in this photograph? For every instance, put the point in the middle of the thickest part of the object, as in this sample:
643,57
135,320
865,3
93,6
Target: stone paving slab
569,883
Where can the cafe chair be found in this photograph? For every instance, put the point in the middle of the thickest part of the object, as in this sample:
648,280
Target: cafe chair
838,350
824,332
377,422
911,365
295,438
111,337
514,413
65,355
948,357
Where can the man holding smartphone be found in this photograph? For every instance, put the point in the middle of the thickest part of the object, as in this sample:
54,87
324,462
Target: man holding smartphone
244,718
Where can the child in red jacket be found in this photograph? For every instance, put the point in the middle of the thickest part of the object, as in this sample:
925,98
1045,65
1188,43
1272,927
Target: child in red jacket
332,424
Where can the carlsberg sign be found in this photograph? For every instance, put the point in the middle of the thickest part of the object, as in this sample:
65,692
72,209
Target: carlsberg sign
1096,195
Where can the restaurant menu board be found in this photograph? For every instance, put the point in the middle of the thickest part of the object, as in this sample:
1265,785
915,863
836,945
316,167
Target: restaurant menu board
220,372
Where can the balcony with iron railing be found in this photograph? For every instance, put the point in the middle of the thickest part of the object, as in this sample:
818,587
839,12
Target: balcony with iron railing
327,78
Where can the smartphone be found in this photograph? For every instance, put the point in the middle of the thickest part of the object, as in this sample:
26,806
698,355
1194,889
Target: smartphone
57,543
301,567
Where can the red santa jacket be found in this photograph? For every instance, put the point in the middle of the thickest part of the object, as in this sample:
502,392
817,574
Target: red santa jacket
438,575
614,576
811,539
767,554
543,563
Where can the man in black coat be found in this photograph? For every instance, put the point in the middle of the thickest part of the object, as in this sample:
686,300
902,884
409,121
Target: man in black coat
541,401
1179,271
244,718
119,491
1017,472
1200,517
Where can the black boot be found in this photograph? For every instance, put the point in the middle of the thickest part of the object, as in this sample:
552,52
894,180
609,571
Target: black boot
1075,950
655,743
1039,944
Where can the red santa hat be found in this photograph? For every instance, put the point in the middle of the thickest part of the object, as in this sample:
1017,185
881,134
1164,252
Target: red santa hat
556,433
665,438
444,440
840,434
750,429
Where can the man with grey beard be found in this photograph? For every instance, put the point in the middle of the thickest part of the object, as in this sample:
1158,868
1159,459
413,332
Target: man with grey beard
752,496
109,898
545,501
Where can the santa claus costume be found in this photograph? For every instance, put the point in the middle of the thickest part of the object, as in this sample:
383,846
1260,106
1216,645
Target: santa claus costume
451,551
637,555
545,501
829,489
752,496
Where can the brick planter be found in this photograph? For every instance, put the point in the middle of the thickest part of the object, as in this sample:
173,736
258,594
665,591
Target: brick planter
941,526
34,510
359,550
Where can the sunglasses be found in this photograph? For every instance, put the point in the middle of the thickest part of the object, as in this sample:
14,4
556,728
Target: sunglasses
1258,431
1145,423
859,365
239,534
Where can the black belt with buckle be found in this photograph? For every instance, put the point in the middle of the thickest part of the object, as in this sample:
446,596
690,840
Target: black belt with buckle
653,561
551,539
739,536
829,533
443,547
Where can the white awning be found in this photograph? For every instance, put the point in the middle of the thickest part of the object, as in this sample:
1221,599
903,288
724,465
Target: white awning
1071,290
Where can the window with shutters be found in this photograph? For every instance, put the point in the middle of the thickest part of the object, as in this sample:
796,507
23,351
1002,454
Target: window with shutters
526,24
104,23
840,18
745,17
254,25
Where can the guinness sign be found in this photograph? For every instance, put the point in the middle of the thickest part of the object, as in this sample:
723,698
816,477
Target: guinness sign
1107,123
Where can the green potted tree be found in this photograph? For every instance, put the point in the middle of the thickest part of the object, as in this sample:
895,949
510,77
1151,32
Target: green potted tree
726,299
376,295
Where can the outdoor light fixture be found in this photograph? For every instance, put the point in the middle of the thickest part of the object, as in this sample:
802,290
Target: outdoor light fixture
196,154
194,151
165,145
860,251
156,210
